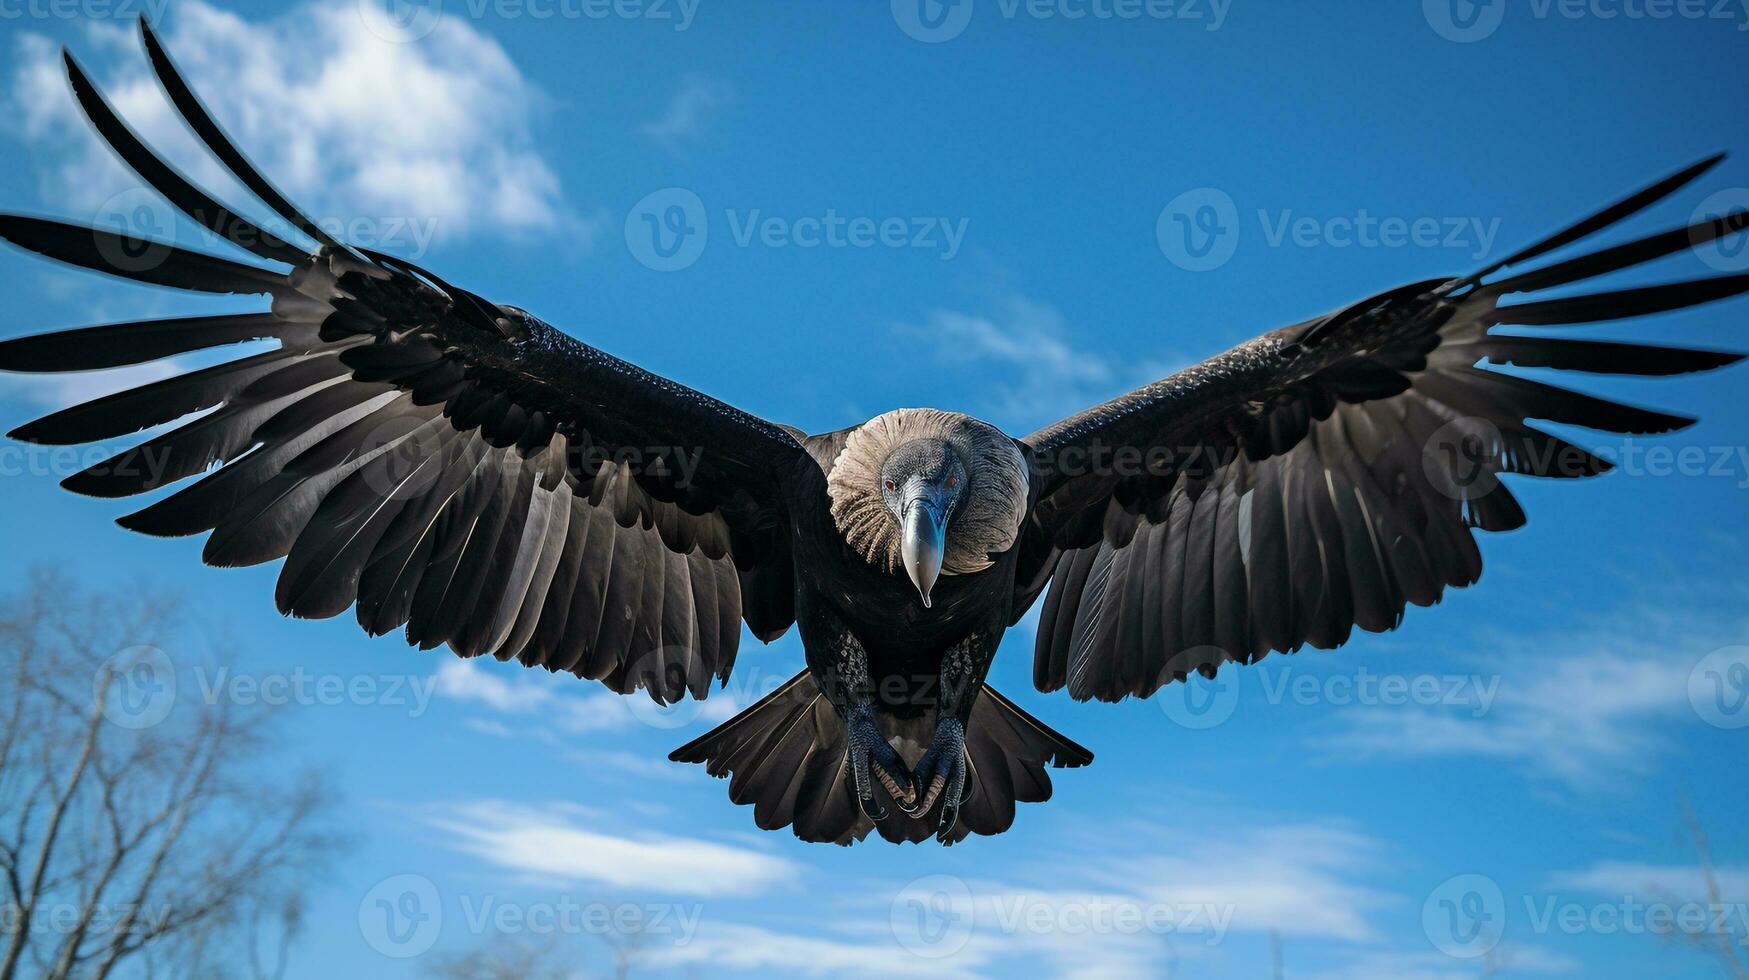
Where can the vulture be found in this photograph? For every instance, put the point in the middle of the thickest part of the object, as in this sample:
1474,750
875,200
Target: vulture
463,471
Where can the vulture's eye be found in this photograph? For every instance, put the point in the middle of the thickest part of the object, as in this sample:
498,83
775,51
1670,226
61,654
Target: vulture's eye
890,485
953,481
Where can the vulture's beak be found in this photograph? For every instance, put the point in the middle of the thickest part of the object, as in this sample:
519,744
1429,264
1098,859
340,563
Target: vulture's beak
923,526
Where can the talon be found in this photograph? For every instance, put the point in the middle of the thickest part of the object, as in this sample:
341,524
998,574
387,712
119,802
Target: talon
873,761
950,815
943,770
873,808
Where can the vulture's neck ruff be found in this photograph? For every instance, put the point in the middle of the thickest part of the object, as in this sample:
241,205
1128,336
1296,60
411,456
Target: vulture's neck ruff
992,505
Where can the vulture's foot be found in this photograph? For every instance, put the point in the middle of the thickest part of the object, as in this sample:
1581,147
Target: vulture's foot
871,759
942,775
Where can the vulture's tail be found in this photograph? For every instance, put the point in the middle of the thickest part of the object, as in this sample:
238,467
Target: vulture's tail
785,756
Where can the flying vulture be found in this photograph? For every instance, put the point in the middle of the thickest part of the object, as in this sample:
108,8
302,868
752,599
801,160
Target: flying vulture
461,470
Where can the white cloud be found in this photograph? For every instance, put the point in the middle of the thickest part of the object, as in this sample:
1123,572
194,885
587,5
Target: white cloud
552,842
684,118
1578,718
559,702
1052,377
728,946
351,126
1656,881
1096,916
1292,879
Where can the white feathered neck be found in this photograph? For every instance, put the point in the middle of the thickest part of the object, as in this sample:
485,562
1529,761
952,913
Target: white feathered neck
991,511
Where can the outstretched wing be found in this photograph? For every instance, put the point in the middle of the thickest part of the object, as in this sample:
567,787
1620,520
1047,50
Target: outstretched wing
455,467
1326,475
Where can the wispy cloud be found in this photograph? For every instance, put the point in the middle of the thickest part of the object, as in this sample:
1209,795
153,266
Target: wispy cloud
1051,376
1659,882
536,704
735,947
687,112
436,135
1577,718
565,843
1096,915
1293,879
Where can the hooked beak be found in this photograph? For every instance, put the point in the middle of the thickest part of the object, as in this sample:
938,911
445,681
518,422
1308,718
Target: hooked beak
923,526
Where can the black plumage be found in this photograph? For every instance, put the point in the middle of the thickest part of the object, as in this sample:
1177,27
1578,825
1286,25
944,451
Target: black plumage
466,473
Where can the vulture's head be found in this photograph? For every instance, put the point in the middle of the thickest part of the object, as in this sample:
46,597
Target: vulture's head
925,493
922,484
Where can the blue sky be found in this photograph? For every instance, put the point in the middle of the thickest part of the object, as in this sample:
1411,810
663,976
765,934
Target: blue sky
975,208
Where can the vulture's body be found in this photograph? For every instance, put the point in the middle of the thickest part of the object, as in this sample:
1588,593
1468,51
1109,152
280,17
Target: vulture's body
465,472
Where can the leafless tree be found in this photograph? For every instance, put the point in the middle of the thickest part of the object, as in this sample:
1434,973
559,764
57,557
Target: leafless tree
1715,941
549,958
137,827
628,946
511,958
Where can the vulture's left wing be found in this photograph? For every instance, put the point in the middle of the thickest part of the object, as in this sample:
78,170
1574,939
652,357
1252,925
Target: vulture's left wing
1327,474
452,466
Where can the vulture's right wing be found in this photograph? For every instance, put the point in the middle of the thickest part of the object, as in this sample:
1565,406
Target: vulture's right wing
1326,475
452,466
